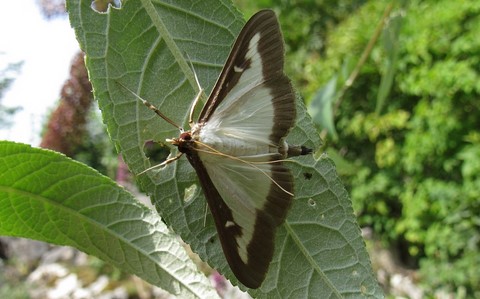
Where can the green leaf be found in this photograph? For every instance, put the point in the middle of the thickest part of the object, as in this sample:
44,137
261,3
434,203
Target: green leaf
49,197
144,46
320,107
391,37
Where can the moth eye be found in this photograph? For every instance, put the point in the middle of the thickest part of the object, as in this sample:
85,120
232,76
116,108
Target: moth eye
186,136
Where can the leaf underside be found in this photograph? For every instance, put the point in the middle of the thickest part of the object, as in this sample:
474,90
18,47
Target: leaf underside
145,46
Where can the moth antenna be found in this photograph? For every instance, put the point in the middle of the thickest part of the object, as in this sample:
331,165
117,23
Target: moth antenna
168,161
197,97
194,104
151,107
215,152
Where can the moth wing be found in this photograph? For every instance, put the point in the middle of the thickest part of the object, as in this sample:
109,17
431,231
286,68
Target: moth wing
247,207
253,95
247,116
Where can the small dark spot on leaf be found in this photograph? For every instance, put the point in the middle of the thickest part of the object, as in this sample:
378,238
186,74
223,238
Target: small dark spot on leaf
307,175
312,202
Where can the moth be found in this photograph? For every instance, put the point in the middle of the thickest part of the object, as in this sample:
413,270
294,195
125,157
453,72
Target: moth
237,148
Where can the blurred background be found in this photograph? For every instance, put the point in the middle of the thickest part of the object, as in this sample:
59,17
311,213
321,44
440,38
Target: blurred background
392,86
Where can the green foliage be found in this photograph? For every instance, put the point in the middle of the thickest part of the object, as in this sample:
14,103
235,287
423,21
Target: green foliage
417,178
321,107
96,149
305,26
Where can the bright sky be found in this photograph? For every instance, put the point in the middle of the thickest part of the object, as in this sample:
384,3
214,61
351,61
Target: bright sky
47,48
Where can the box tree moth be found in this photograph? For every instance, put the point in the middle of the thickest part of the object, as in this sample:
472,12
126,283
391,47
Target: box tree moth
237,148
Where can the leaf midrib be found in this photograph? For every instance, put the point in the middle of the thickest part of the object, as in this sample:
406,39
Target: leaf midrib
170,42
310,259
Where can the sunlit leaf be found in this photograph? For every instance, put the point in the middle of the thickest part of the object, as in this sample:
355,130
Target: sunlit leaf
49,197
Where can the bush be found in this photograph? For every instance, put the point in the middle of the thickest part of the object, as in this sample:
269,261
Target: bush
414,170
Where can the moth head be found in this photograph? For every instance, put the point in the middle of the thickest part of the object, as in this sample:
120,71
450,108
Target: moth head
183,142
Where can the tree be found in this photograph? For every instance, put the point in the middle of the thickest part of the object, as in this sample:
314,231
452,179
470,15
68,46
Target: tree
6,79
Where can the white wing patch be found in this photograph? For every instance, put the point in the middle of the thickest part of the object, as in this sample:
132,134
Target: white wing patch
242,123
251,77
237,69
244,189
240,127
